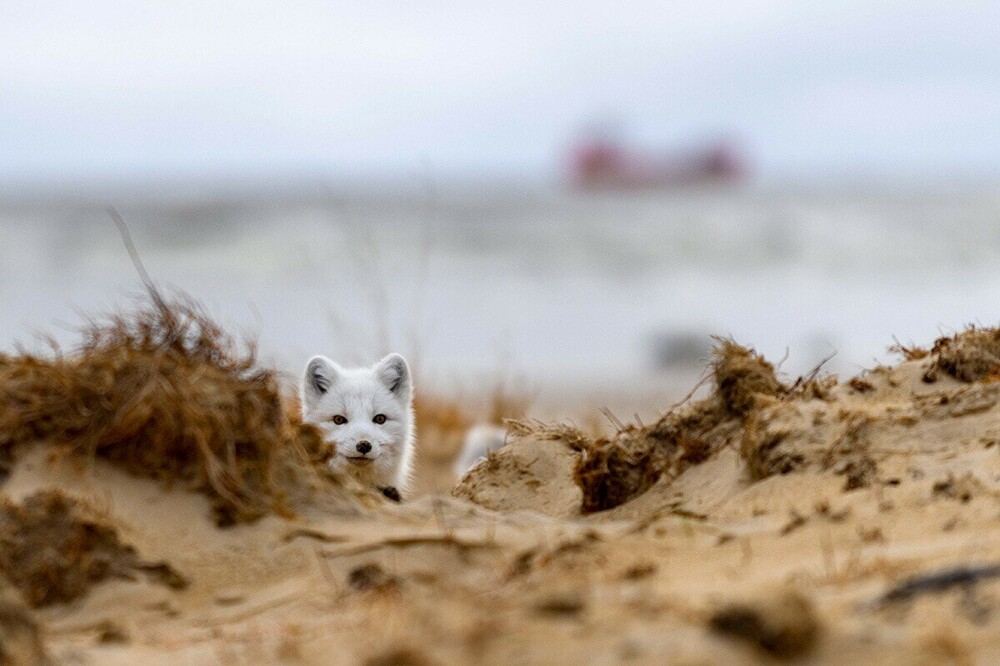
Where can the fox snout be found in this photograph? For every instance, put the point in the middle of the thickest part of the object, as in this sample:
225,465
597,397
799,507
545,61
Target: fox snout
363,446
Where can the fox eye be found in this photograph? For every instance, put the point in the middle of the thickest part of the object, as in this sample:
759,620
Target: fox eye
379,419
339,420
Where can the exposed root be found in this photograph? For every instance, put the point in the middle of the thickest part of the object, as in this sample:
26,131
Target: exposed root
411,541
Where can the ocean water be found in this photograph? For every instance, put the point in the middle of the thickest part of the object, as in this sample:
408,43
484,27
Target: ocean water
555,287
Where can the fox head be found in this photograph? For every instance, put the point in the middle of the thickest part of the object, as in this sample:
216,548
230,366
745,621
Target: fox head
366,413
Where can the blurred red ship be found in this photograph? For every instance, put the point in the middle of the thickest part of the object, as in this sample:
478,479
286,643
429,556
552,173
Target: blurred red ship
604,163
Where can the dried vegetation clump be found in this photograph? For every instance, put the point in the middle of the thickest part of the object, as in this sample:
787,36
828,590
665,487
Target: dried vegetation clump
743,381
850,455
568,435
163,392
970,356
53,551
748,408
910,352
609,470
613,470
742,377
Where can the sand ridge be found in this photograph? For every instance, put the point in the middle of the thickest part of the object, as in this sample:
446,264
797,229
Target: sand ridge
766,521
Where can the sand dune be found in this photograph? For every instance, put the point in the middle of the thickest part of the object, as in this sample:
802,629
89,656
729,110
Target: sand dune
768,521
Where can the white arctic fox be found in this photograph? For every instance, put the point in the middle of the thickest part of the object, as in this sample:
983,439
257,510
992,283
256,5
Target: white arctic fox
367,413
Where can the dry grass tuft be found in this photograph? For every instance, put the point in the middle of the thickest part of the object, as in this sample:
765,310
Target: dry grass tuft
741,375
742,381
693,433
53,552
610,471
909,352
970,356
613,471
163,392
569,435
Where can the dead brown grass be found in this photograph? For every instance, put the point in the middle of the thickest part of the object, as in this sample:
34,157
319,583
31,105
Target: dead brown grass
613,470
909,352
569,435
743,380
741,376
970,356
693,432
53,551
163,392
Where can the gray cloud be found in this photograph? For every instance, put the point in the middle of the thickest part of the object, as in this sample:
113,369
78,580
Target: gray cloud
127,88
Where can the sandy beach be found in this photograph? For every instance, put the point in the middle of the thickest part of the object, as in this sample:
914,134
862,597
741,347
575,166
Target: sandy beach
433,334
820,521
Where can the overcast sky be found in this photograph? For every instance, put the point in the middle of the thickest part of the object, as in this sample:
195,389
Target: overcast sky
185,89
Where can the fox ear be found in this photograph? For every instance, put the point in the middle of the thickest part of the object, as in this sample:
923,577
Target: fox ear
395,374
320,375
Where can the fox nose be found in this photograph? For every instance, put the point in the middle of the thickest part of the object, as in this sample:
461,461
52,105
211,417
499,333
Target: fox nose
363,447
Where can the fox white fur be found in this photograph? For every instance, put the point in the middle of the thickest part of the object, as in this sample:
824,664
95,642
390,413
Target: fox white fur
347,404
480,440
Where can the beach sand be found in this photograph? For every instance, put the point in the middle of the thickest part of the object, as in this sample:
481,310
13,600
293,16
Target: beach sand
767,521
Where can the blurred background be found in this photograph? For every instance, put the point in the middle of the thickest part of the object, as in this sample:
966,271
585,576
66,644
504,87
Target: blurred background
566,198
